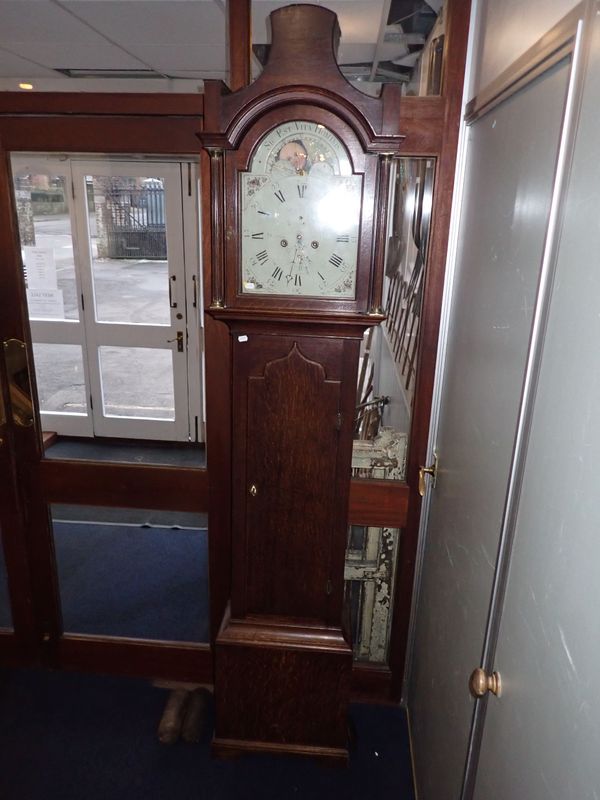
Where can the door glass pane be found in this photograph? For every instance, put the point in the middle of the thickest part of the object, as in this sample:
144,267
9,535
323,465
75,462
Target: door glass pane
137,382
42,202
129,249
132,572
388,368
60,378
5,612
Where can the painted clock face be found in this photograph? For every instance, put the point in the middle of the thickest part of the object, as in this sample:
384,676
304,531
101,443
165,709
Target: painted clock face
300,215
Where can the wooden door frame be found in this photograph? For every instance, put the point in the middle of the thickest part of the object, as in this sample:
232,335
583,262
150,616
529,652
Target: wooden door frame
91,124
167,125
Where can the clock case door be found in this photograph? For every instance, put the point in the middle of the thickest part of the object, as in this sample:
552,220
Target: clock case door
293,418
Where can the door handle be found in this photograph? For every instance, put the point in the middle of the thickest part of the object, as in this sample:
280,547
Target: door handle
480,683
431,470
19,384
179,339
172,278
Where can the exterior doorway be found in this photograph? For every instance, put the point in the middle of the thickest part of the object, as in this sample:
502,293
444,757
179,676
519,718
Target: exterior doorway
112,270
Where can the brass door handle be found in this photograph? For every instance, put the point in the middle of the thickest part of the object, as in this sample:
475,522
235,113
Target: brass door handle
480,683
432,470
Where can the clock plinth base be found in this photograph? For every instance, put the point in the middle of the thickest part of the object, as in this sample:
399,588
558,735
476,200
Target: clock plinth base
282,688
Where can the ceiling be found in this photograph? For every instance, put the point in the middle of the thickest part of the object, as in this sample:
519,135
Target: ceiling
172,45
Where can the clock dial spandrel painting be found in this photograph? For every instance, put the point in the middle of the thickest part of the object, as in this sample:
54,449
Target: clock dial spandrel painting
300,206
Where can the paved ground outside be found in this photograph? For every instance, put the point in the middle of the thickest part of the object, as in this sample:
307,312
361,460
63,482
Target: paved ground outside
136,381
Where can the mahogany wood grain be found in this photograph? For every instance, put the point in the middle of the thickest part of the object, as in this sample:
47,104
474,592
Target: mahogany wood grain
378,502
239,24
289,539
102,104
125,485
283,686
135,657
371,683
89,134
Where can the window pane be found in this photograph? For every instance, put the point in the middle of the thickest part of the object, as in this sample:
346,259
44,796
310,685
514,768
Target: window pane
137,382
47,245
123,572
129,249
60,378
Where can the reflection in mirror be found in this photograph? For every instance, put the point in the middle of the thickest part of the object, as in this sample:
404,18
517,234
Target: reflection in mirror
132,573
369,585
388,365
5,611
19,386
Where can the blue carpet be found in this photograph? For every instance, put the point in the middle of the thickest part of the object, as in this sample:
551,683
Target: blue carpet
83,737
118,580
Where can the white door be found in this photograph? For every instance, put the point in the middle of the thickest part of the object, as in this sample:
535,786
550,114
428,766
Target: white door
542,737
135,299
47,224
512,156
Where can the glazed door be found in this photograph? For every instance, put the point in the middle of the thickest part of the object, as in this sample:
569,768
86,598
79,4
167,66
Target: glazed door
110,251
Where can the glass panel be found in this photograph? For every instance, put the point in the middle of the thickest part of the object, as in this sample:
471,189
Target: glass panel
137,382
129,249
387,373
60,378
42,203
369,589
131,572
5,610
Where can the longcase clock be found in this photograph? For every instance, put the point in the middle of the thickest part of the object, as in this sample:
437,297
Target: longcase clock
299,184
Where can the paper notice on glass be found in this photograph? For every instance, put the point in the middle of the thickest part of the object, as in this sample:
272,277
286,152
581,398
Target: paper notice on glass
40,267
45,304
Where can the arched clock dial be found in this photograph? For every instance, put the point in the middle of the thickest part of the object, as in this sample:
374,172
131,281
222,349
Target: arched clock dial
300,215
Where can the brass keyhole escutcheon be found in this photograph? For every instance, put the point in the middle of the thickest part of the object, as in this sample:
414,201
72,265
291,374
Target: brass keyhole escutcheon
253,489
480,683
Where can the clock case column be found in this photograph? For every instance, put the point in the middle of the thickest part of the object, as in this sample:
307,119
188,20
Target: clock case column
282,659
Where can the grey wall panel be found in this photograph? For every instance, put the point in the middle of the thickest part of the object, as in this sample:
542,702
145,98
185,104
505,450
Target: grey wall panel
508,28
542,737
512,159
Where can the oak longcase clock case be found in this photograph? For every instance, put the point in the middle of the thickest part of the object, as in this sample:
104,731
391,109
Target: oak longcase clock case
299,165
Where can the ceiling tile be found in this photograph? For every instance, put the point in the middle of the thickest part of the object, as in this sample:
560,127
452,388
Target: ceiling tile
153,21
41,21
12,65
178,57
77,55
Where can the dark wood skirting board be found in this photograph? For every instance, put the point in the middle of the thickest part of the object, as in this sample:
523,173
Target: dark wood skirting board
175,661
124,485
231,748
371,683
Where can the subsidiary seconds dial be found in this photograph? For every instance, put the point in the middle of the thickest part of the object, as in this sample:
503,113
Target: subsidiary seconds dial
300,215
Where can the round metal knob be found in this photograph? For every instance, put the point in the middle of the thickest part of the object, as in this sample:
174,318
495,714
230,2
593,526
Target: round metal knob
480,683
253,490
